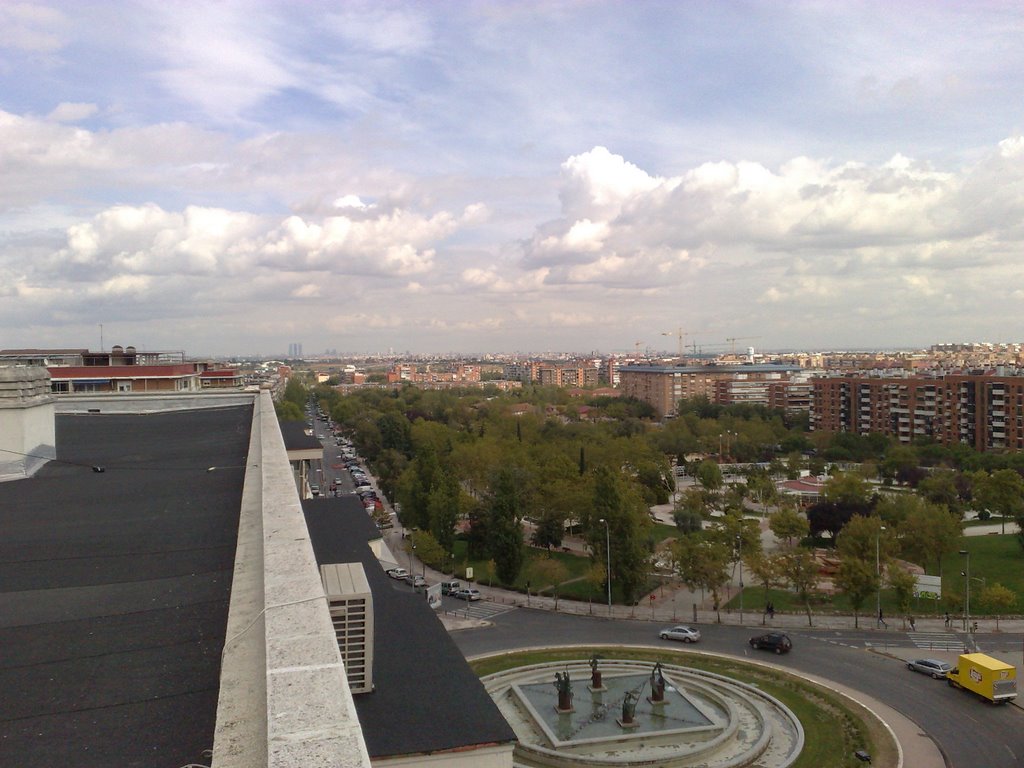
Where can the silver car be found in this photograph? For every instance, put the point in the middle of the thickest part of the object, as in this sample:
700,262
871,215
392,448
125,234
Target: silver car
681,632
933,667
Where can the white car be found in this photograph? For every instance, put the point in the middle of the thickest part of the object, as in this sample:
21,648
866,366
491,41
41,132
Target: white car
398,574
681,632
467,594
934,667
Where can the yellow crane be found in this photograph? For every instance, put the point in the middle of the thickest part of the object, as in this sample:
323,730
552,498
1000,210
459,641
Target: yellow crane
680,334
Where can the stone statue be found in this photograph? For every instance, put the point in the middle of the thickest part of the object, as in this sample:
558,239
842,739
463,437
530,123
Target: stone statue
595,673
657,683
564,687
629,707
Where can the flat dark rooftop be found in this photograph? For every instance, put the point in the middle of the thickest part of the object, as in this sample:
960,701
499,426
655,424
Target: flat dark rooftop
426,698
114,590
295,437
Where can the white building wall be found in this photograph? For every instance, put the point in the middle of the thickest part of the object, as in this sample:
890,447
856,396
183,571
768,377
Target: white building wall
27,434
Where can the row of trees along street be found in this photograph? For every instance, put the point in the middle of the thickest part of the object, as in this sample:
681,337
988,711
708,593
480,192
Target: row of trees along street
479,474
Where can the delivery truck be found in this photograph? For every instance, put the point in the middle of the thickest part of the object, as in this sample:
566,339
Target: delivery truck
989,678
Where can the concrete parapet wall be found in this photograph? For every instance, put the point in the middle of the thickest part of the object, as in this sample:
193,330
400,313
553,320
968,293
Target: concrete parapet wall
284,698
140,402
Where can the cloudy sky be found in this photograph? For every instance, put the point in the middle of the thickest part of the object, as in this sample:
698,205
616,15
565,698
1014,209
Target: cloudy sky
505,176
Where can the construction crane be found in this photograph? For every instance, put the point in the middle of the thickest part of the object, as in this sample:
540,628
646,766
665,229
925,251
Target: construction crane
680,335
733,339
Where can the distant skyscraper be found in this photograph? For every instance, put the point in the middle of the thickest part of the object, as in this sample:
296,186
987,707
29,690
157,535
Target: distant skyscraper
295,349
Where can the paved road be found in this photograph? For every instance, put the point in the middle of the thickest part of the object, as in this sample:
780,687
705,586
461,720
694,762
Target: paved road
970,733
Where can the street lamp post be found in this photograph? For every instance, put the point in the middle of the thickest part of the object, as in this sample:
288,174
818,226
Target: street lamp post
739,544
967,593
608,561
878,575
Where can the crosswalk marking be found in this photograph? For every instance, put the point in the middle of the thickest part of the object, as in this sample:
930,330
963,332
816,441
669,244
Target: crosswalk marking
936,641
480,609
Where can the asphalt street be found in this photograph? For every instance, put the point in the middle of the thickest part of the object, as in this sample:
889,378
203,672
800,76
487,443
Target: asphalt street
970,733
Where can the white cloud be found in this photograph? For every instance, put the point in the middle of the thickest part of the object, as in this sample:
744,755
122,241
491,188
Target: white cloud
32,27
72,112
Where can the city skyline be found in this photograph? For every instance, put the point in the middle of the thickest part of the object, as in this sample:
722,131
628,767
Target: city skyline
490,176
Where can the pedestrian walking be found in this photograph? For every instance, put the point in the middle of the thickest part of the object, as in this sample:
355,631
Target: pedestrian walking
912,627
881,620
948,620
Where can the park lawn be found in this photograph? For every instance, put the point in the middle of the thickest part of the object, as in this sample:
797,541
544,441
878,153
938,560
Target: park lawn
576,567
575,587
833,729
994,558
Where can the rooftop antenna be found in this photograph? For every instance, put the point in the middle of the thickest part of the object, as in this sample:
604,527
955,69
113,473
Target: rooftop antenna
101,337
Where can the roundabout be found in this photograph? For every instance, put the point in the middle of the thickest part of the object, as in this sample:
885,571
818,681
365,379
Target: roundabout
641,714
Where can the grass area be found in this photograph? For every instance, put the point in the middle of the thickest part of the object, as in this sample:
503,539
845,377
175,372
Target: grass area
576,585
994,559
833,729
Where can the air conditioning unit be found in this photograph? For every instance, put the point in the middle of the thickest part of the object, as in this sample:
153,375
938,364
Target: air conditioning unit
351,605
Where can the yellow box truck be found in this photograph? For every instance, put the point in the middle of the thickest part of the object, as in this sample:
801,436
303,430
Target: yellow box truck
990,678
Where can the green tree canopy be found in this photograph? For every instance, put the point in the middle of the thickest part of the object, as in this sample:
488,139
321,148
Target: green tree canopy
928,533
857,580
788,524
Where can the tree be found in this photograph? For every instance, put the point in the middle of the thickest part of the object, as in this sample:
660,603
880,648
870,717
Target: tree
788,524
847,489
427,549
767,569
827,517
709,475
596,577
762,490
800,570
899,461
443,509
857,580
928,533
940,488
414,489
689,511
395,432
902,583
701,564
865,538
616,502
288,411
548,573
1001,492
504,523
741,536
549,530
688,520
997,599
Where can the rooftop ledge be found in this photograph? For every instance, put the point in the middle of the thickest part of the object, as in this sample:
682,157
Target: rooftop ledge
284,698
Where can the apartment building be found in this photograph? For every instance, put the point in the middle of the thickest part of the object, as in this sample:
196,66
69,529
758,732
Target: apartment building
664,386
551,374
983,410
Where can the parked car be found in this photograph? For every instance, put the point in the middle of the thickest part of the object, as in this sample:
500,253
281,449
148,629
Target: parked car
933,667
772,641
681,632
415,581
467,594
450,587
315,490
397,573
